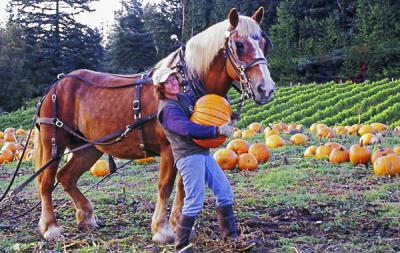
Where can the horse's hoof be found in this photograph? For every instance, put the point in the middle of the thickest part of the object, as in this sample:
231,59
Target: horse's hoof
164,235
54,234
85,226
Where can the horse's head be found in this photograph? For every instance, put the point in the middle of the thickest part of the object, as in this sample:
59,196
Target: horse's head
245,48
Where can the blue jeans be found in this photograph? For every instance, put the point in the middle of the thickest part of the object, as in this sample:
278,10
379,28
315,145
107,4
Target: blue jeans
197,170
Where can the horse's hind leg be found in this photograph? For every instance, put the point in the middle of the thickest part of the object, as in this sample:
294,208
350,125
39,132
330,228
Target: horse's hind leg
47,224
68,176
162,231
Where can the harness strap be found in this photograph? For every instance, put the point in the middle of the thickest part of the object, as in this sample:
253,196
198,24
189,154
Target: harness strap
137,115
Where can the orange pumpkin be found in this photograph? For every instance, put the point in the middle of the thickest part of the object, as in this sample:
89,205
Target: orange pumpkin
299,139
248,133
378,127
256,127
237,134
387,165
239,146
341,130
365,129
380,151
322,152
10,146
211,110
149,159
20,132
359,154
310,152
259,151
100,168
6,156
10,137
325,132
280,126
271,131
1,135
226,158
274,141
333,145
368,139
353,129
339,155
247,162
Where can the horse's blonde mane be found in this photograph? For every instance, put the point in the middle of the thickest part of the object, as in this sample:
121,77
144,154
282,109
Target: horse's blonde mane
203,47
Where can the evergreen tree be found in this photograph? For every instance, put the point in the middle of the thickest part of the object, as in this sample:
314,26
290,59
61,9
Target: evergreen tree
58,43
131,47
14,60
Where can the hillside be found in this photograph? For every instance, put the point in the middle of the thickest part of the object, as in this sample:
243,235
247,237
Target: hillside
330,103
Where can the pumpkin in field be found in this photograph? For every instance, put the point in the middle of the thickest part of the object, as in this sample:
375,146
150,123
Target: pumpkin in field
145,160
310,152
387,165
6,156
20,132
248,133
9,130
380,151
341,130
226,158
368,139
1,135
237,134
322,152
396,149
247,162
353,129
239,146
100,168
365,129
274,141
10,146
271,131
27,155
280,126
339,155
10,137
299,139
359,154
325,132
259,151
211,110
333,145
378,127
256,126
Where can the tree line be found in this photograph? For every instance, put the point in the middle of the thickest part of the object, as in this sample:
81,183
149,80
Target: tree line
314,40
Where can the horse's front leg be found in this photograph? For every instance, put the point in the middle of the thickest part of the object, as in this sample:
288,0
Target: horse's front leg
178,203
162,231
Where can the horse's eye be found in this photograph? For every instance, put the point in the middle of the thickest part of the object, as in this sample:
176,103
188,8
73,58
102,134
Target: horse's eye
240,47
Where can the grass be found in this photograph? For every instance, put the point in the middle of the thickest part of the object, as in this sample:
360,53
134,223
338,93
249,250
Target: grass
288,205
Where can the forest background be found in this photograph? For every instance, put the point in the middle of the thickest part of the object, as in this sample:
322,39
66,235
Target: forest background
315,40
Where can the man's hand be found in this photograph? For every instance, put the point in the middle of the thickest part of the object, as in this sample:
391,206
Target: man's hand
226,129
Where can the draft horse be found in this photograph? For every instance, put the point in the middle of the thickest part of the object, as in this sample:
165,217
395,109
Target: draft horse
230,50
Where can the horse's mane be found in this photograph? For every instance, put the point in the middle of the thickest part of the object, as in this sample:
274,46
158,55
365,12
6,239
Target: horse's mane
202,48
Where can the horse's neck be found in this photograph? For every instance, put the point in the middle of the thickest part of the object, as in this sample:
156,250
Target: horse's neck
217,81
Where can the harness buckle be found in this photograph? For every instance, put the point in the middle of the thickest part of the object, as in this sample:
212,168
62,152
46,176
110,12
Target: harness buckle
136,104
53,97
58,123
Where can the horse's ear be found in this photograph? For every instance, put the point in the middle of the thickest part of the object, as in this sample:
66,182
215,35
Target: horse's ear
233,17
258,15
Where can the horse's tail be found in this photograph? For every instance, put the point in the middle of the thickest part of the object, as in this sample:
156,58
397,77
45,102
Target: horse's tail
37,149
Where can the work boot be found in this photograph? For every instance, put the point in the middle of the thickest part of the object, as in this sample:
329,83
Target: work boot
227,226
182,234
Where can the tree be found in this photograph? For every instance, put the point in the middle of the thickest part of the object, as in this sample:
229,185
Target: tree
58,43
14,60
131,47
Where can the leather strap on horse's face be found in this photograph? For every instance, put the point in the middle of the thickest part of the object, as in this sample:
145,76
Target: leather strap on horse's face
241,67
